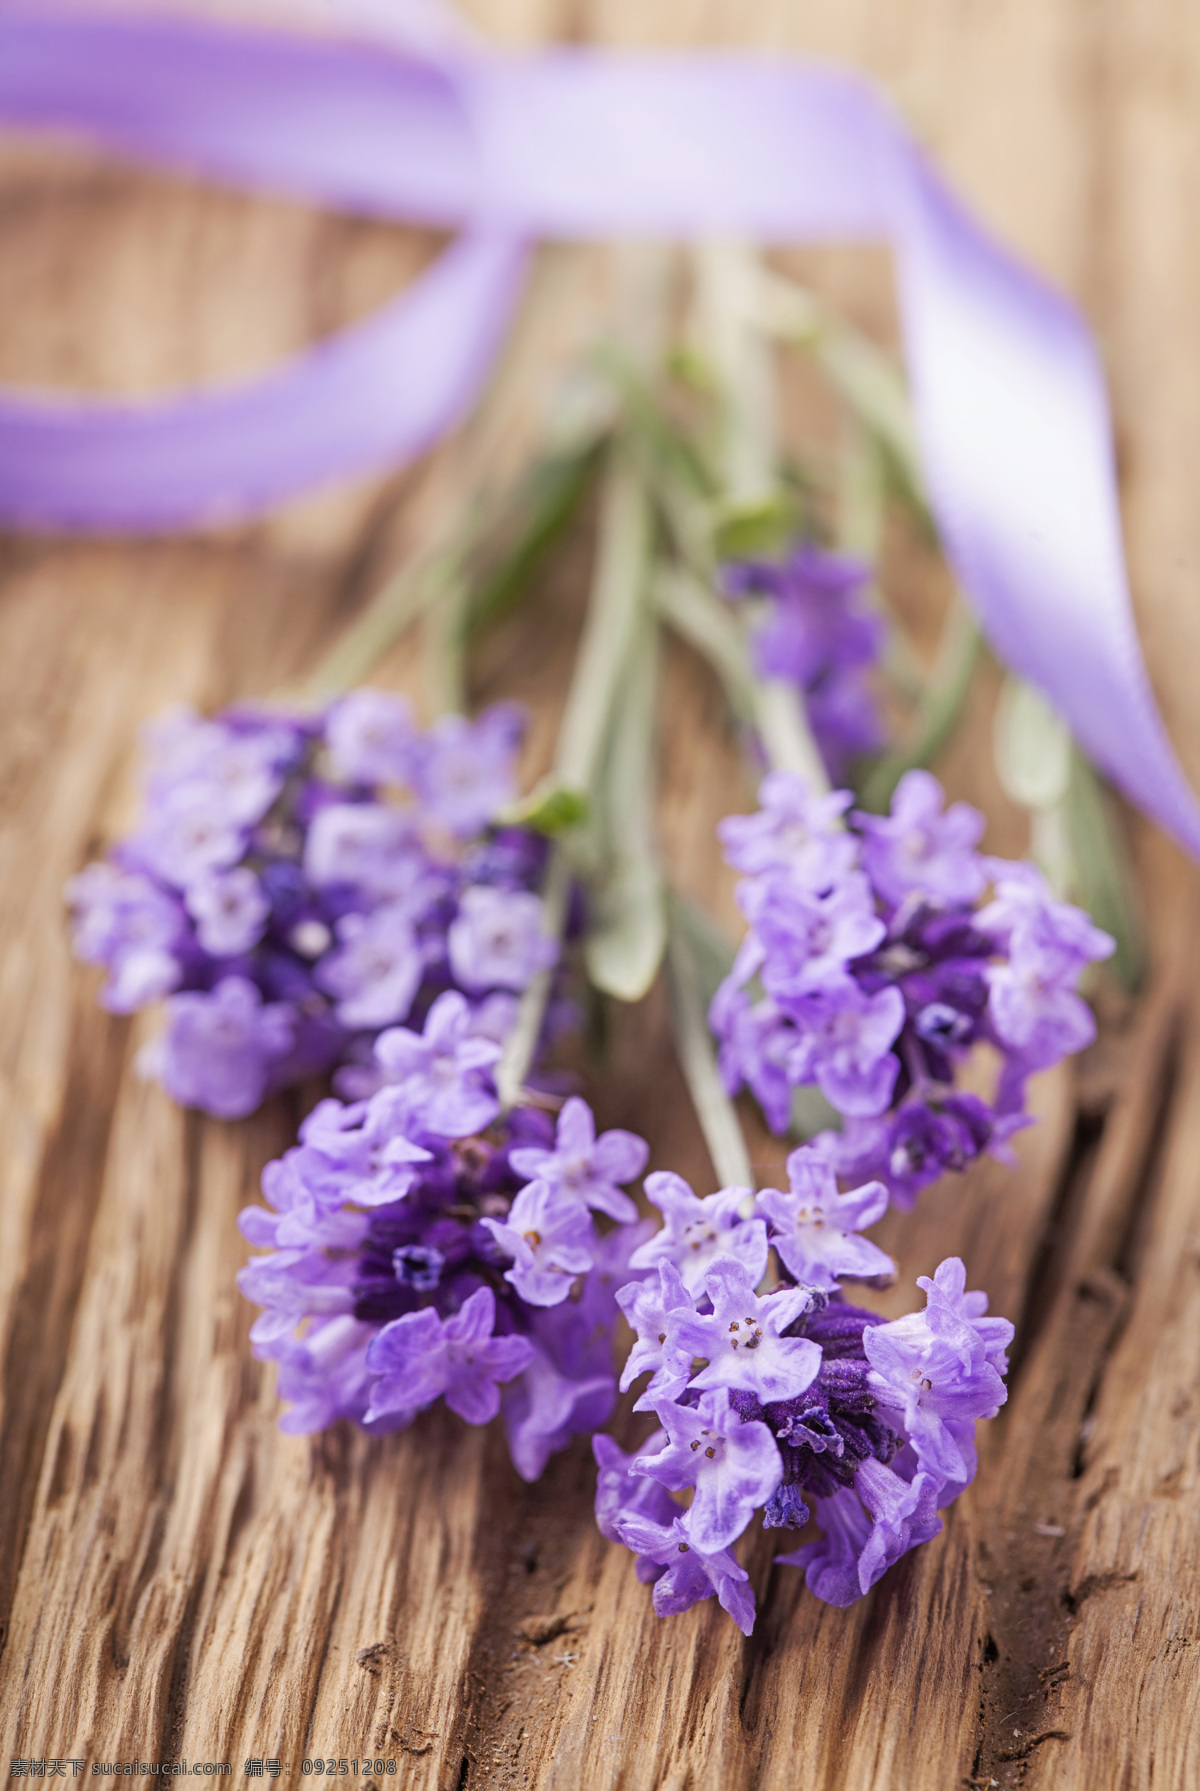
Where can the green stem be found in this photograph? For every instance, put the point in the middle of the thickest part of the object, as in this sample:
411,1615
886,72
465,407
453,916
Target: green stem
716,1112
727,279
403,600
783,727
861,498
522,1041
1103,882
773,708
545,501
939,711
617,596
436,568
698,616
442,650
861,373
626,941
617,587
617,590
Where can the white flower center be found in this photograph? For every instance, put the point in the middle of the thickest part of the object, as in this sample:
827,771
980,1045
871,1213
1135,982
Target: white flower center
699,1235
745,1334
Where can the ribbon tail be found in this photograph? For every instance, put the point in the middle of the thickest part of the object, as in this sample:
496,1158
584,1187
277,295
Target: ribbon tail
366,400
1013,420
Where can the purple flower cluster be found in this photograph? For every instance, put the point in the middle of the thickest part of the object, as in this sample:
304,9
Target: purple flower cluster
873,966
421,1246
820,635
298,883
792,1403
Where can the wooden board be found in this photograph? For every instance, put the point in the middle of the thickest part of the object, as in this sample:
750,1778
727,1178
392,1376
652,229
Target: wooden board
179,1580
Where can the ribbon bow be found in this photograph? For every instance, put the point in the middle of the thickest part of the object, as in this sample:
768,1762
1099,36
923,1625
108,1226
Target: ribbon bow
1009,399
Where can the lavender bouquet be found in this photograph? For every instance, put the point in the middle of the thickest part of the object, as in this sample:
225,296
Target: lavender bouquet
301,881
424,1246
873,966
805,1406
325,889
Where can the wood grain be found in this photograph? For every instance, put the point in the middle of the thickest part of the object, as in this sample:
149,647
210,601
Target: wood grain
176,1577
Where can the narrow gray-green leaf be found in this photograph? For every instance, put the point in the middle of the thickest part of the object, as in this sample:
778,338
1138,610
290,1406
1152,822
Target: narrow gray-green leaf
625,944
624,948
712,950
522,1041
938,712
1102,881
1032,747
708,625
715,1111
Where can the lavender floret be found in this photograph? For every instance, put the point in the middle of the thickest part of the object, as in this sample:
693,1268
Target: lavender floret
344,866
411,1260
820,635
874,965
796,1405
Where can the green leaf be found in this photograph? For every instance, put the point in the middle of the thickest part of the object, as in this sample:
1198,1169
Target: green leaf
1102,882
624,948
626,941
716,1112
551,809
760,528
1033,747
544,503
711,948
938,711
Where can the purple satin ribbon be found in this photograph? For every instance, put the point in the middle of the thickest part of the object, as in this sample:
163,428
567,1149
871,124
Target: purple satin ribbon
1010,402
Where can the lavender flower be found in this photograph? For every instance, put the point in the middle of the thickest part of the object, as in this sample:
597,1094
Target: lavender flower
221,1048
744,1339
366,847
796,1404
230,909
359,1153
443,1070
652,1312
375,970
821,636
464,769
372,738
547,1236
128,923
815,1229
1031,1000
685,1574
585,1166
920,850
496,940
793,831
697,1232
410,1259
422,1357
844,1042
941,1369
345,867
568,1388
732,1466
615,1498
873,966
867,1530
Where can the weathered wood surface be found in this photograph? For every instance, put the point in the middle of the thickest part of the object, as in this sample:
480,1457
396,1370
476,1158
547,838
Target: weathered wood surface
176,1578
